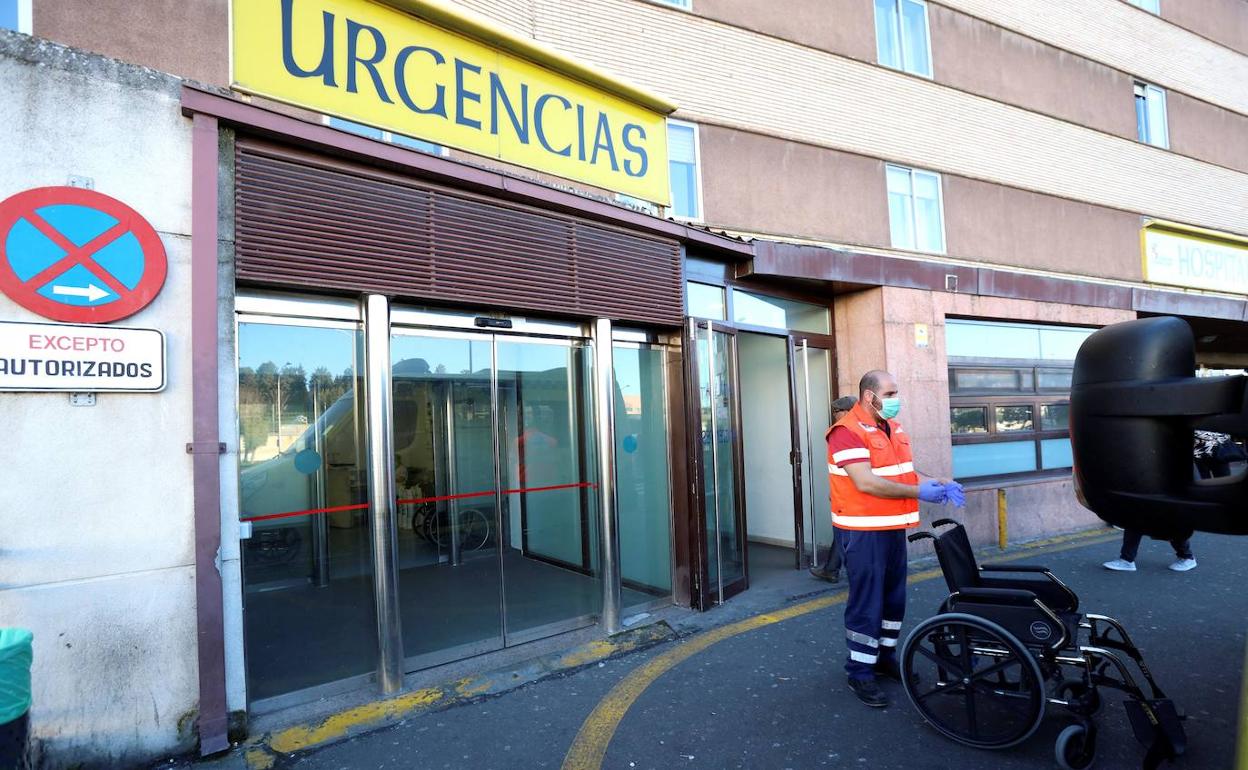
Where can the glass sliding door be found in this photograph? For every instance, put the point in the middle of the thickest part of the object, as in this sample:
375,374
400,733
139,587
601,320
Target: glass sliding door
814,402
450,578
715,361
549,512
643,489
307,568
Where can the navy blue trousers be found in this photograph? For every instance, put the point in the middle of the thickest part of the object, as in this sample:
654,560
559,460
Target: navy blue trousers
875,563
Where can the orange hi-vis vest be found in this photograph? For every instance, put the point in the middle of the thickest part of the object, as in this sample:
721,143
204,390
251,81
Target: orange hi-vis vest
890,457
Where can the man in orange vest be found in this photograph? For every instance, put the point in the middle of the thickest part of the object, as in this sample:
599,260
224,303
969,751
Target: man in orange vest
875,499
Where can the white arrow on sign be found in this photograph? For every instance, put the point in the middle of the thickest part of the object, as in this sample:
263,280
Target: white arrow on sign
92,292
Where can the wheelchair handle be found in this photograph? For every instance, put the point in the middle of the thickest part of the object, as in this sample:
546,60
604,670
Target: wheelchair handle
917,536
944,523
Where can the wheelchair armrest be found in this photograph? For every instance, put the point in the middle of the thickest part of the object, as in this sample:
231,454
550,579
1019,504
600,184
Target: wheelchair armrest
1013,568
1015,596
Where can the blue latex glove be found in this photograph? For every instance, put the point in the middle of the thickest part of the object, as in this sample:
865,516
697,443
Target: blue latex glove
955,494
932,492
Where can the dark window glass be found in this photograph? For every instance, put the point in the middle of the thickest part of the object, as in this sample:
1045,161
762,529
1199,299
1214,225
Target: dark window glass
1011,419
968,419
1055,417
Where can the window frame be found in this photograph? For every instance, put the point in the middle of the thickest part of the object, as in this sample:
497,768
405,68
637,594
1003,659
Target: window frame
683,5
1037,398
903,65
914,230
1146,92
700,215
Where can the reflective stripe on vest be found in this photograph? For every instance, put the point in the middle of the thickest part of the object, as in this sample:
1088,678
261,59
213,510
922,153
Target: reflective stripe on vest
890,457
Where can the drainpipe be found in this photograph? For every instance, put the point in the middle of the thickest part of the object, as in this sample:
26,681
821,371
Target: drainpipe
206,447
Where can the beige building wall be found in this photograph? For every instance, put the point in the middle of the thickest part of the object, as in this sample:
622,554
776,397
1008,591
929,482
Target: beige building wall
845,27
1223,21
1202,130
1128,39
1008,226
189,39
975,56
731,77
766,185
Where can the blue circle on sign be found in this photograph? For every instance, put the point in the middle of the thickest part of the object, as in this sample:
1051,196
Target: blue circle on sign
630,443
308,462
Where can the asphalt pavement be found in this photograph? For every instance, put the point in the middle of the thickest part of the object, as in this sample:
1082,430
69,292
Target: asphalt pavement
773,694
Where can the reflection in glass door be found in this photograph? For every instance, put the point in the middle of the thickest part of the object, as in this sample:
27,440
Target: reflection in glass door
450,581
307,568
498,535
814,401
722,501
551,558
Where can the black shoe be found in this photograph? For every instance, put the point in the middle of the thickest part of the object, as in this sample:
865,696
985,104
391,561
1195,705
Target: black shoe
823,574
891,670
869,692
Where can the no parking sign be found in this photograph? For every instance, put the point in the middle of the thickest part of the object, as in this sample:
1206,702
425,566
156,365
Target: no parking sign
78,255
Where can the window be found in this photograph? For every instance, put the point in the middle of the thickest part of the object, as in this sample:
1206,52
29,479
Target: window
1150,115
778,313
1152,6
1009,396
386,136
682,154
15,15
901,36
686,4
706,301
915,210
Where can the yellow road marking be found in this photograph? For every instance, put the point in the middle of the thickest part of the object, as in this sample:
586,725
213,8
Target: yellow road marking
590,744
303,736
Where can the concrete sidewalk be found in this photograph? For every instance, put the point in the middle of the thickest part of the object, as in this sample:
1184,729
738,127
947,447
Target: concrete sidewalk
758,683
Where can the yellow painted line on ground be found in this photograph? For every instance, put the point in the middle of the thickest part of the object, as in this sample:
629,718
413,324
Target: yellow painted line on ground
589,747
303,736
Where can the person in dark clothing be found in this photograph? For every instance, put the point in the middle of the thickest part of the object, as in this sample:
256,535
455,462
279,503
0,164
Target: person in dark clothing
831,569
1212,455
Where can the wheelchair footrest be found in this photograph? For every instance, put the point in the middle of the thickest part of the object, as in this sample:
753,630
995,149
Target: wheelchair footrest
1157,725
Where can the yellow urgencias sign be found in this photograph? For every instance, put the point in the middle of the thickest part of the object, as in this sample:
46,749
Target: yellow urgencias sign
374,65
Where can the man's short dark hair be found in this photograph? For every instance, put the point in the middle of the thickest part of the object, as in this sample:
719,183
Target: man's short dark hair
871,381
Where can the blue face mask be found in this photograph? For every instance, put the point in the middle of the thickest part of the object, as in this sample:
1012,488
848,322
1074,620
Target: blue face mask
889,407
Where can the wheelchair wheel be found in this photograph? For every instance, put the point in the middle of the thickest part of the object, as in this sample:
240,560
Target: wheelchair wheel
1075,748
976,683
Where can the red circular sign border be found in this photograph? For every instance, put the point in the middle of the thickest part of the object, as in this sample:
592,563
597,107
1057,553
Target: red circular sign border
155,261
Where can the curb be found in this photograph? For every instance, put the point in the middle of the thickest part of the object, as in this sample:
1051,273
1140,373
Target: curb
264,751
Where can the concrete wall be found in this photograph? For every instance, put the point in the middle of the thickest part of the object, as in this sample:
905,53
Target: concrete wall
876,329
97,552
1207,132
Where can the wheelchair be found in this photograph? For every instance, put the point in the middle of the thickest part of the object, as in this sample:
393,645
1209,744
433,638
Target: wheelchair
1009,642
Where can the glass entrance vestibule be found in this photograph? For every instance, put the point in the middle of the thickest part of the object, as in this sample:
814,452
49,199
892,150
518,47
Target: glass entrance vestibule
493,533
763,367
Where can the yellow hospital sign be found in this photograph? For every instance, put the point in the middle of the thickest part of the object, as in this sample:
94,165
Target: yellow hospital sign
375,65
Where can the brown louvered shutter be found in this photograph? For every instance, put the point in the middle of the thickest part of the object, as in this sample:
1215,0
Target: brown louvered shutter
308,222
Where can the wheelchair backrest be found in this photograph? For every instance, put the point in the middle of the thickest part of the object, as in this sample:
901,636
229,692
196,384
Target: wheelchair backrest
957,558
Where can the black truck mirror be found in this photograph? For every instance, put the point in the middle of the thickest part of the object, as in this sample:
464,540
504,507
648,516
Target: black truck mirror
1135,403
